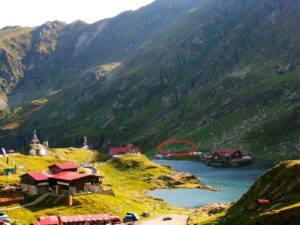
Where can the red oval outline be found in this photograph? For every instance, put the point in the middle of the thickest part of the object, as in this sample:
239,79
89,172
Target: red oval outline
195,147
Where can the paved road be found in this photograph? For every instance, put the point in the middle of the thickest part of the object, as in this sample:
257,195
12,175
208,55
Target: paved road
176,220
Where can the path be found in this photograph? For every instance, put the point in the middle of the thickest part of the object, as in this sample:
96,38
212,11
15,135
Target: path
36,201
90,157
177,219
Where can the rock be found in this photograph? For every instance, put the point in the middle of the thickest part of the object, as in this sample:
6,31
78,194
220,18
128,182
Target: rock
213,208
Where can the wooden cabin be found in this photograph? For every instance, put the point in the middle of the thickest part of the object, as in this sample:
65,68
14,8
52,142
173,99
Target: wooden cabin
35,183
75,182
60,177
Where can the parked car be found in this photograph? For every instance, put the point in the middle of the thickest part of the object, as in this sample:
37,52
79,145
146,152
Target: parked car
4,217
145,214
131,217
167,218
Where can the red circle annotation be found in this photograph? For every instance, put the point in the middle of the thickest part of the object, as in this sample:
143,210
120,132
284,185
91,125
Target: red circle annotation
190,152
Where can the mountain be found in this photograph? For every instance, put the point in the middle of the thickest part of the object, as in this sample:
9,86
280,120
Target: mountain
215,72
281,186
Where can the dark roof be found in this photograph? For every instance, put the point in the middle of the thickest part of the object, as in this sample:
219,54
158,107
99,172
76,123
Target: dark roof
69,176
231,152
66,165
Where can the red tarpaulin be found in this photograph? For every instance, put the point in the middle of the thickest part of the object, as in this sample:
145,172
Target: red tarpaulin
263,201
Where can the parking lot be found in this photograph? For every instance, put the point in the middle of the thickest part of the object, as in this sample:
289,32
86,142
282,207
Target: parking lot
176,220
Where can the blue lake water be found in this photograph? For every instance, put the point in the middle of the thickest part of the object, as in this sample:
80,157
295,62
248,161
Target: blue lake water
233,182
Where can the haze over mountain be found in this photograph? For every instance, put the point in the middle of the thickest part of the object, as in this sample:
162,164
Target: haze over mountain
222,72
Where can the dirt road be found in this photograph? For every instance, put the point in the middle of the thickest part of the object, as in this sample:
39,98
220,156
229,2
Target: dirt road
176,220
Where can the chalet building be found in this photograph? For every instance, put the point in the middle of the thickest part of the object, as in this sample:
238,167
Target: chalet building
35,183
75,182
60,177
229,157
116,151
62,167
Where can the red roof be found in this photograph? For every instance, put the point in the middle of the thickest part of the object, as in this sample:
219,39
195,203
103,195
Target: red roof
69,176
47,220
80,218
120,150
39,176
231,152
66,165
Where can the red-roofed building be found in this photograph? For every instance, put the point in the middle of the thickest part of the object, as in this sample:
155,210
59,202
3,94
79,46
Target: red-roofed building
229,157
39,176
231,153
75,182
78,220
41,182
35,182
116,151
47,220
69,176
62,167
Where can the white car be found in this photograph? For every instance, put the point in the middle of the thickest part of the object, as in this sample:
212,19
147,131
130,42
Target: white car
4,217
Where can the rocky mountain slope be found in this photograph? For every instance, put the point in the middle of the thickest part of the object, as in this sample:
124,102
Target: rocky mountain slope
211,71
281,186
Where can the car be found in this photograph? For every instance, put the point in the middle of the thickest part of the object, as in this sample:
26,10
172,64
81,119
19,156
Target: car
131,217
4,217
145,214
167,218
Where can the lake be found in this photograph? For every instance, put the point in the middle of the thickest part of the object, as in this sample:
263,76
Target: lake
233,182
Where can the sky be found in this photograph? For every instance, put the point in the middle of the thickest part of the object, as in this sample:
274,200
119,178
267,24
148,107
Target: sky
37,12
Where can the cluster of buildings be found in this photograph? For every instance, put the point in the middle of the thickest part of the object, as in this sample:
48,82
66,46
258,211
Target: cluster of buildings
228,157
96,219
61,177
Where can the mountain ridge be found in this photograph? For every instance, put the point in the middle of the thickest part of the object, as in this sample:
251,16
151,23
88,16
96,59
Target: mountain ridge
222,73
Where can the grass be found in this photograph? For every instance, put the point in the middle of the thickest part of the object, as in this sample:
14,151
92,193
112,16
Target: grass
205,219
130,177
73,154
27,163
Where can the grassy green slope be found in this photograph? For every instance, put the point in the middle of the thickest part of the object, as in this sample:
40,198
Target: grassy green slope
130,177
224,72
280,185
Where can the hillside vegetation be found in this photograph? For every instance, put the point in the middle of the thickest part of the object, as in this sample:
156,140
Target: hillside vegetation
210,71
130,177
26,163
